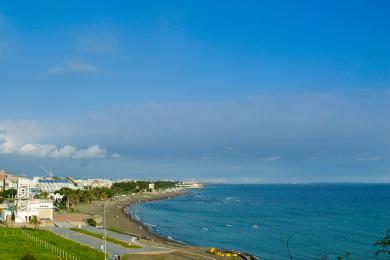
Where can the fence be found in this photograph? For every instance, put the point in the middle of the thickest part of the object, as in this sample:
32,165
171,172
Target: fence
40,242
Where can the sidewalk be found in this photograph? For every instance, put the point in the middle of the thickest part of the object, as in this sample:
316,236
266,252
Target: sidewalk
112,249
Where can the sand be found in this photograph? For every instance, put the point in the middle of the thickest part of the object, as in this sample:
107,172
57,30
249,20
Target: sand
118,219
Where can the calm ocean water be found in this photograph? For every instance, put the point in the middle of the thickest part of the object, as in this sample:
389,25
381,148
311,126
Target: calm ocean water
319,218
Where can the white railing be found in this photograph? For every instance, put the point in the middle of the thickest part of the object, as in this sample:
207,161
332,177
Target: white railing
39,242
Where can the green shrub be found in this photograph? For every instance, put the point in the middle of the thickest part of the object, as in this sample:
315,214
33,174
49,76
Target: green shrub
91,222
28,257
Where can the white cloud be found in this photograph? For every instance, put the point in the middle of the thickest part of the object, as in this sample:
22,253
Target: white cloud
94,151
73,67
116,156
271,158
37,150
66,151
6,143
14,133
367,159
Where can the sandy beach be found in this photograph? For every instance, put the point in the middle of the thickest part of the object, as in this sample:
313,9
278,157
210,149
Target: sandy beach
118,219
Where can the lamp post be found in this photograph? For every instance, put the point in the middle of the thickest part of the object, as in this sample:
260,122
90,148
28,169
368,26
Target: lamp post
104,205
105,231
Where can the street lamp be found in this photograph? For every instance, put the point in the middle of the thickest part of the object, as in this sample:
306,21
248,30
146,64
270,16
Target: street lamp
105,204
105,231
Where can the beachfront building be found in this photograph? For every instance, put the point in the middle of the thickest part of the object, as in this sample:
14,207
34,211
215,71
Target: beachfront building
35,188
23,194
189,185
124,180
26,206
8,181
51,185
94,183
43,209
3,176
6,211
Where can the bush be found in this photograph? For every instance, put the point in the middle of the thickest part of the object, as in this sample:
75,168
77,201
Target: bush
91,222
28,257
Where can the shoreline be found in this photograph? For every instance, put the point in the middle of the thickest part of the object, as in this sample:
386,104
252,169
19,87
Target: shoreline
166,239
119,218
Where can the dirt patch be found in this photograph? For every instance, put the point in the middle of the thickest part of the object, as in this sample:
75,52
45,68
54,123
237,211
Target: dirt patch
70,217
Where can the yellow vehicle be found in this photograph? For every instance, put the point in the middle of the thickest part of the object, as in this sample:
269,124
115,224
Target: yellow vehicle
222,252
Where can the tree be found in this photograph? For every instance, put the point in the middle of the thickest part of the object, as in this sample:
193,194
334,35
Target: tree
70,197
43,195
35,222
7,194
91,222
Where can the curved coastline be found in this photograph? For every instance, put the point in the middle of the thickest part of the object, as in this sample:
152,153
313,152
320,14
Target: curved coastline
119,218
153,234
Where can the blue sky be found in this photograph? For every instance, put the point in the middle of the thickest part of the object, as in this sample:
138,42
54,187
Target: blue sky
238,91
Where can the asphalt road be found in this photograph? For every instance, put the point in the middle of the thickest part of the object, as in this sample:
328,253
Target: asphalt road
112,249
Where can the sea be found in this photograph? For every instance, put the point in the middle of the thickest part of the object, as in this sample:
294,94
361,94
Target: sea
276,221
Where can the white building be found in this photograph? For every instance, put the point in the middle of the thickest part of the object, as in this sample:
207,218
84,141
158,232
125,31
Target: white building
50,186
56,196
8,181
6,210
23,194
189,185
43,209
26,207
94,183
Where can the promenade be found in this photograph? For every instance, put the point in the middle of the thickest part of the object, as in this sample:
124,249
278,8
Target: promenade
63,229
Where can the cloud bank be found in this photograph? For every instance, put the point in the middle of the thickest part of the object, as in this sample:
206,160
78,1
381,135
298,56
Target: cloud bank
67,151
13,133
302,125
307,136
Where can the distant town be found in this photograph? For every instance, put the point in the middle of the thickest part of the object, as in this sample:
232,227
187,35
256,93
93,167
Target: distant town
27,200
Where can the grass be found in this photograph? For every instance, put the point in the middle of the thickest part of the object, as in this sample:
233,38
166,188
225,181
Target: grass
14,245
116,230
109,239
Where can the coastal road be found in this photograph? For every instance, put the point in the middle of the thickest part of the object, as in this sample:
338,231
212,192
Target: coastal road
112,249
148,249
116,235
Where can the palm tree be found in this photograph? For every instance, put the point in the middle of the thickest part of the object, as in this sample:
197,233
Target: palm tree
43,195
35,222
70,197
66,198
74,198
